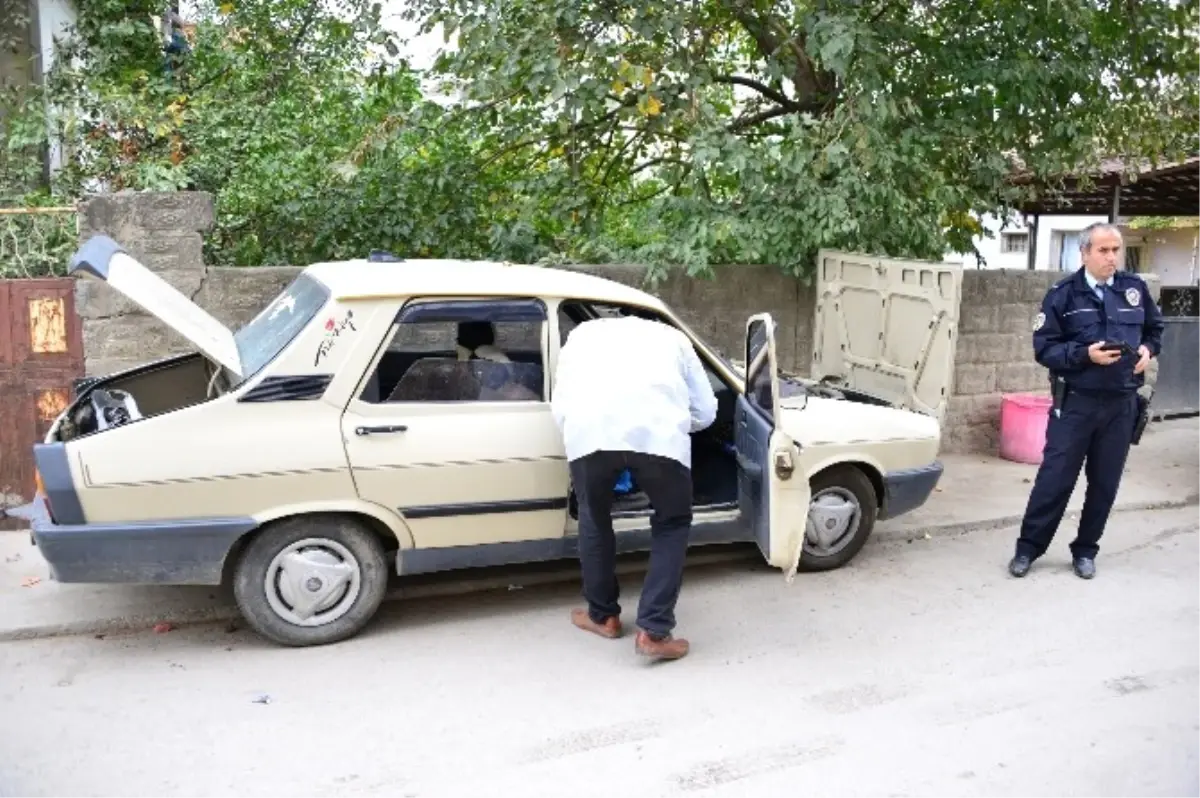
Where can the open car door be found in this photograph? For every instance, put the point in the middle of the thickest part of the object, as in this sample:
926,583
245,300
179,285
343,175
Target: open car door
773,494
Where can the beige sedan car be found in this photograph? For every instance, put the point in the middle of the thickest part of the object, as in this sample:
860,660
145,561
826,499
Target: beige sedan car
382,416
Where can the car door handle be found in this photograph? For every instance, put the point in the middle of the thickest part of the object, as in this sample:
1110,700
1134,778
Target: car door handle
752,469
380,430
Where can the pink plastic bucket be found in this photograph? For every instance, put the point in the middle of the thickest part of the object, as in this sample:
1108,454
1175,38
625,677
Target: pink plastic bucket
1023,418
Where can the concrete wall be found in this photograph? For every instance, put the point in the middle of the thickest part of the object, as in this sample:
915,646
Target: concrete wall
164,232
994,353
1172,255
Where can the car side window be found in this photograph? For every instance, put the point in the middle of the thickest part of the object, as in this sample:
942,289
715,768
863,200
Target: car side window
572,312
758,376
463,351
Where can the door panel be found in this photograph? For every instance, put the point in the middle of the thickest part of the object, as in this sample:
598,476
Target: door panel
888,327
464,447
461,475
773,496
752,438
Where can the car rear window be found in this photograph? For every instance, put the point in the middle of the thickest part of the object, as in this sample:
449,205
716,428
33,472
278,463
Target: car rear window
261,341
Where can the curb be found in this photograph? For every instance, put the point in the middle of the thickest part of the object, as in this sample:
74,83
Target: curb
1001,522
550,573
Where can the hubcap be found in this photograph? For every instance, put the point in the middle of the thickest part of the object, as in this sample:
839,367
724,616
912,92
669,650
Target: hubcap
833,518
313,582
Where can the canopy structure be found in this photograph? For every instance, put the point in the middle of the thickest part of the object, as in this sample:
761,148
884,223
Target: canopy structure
1115,190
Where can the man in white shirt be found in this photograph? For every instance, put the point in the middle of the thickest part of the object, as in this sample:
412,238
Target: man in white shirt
627,394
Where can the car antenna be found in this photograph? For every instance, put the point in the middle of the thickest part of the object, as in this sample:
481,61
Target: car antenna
383,256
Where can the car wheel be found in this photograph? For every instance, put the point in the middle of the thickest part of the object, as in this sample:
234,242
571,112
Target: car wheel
311,581
841,515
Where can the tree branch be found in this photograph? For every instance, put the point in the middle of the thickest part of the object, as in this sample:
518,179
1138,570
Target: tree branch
744,122
758,86
770,45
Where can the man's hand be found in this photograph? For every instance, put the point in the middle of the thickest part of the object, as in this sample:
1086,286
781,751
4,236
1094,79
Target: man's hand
1143,361
1101,358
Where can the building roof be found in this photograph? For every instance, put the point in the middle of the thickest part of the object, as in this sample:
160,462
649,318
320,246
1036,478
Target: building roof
362,279
1171,189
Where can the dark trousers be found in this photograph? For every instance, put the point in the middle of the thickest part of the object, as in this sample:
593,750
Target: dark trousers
668,485
1095,429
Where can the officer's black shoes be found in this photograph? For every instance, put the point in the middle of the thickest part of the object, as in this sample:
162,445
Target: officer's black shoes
1084,568
1019,565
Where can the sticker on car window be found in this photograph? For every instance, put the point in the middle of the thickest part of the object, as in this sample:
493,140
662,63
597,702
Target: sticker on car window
333,331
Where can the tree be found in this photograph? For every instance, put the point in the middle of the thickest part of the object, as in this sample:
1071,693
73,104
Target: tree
761,130
298,117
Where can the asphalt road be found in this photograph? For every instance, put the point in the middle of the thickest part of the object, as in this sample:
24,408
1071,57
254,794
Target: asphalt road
920,669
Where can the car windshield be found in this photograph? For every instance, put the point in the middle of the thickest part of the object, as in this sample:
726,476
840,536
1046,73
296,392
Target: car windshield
260,341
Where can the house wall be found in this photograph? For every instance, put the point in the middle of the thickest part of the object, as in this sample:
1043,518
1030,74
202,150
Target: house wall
1051,231
1172,255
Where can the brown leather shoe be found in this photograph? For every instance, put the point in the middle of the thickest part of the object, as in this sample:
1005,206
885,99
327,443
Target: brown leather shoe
611,628
667,648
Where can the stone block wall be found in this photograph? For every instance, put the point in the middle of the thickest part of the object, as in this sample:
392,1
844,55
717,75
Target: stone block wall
994,356
994,351
165,232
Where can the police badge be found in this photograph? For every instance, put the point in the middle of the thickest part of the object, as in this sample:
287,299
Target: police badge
1038,321
1133,296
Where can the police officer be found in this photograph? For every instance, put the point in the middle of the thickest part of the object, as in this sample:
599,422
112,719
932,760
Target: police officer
1096,333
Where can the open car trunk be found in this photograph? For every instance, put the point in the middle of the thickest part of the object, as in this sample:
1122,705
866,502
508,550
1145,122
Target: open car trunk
149,390
223,362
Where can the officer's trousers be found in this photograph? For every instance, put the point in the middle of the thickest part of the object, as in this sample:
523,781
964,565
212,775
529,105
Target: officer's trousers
1095,428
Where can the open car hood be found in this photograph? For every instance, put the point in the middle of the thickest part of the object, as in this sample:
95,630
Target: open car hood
101,258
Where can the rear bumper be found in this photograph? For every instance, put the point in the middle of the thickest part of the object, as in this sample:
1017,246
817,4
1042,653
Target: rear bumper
905,491
175,552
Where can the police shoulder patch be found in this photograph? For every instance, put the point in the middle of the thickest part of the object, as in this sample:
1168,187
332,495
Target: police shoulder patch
1133,296
1039,321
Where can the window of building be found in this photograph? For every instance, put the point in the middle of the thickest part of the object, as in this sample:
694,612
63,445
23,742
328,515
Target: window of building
1133,259
1011,243
463,351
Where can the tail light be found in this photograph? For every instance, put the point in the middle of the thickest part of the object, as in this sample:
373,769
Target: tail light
41,492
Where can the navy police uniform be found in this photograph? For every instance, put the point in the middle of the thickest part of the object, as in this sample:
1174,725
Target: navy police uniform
1095,408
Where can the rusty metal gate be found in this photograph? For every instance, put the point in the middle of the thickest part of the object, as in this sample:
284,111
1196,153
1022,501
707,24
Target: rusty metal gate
1177,390
41,354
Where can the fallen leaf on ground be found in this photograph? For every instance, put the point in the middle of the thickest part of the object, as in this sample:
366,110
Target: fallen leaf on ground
163,627
30,581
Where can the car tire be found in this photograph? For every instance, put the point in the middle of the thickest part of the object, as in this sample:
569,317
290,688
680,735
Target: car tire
845,483
334,561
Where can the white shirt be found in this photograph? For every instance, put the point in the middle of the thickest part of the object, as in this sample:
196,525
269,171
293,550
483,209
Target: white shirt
1096,286
631,384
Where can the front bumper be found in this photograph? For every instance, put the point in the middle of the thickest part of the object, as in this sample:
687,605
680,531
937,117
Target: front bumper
188,551
905,491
